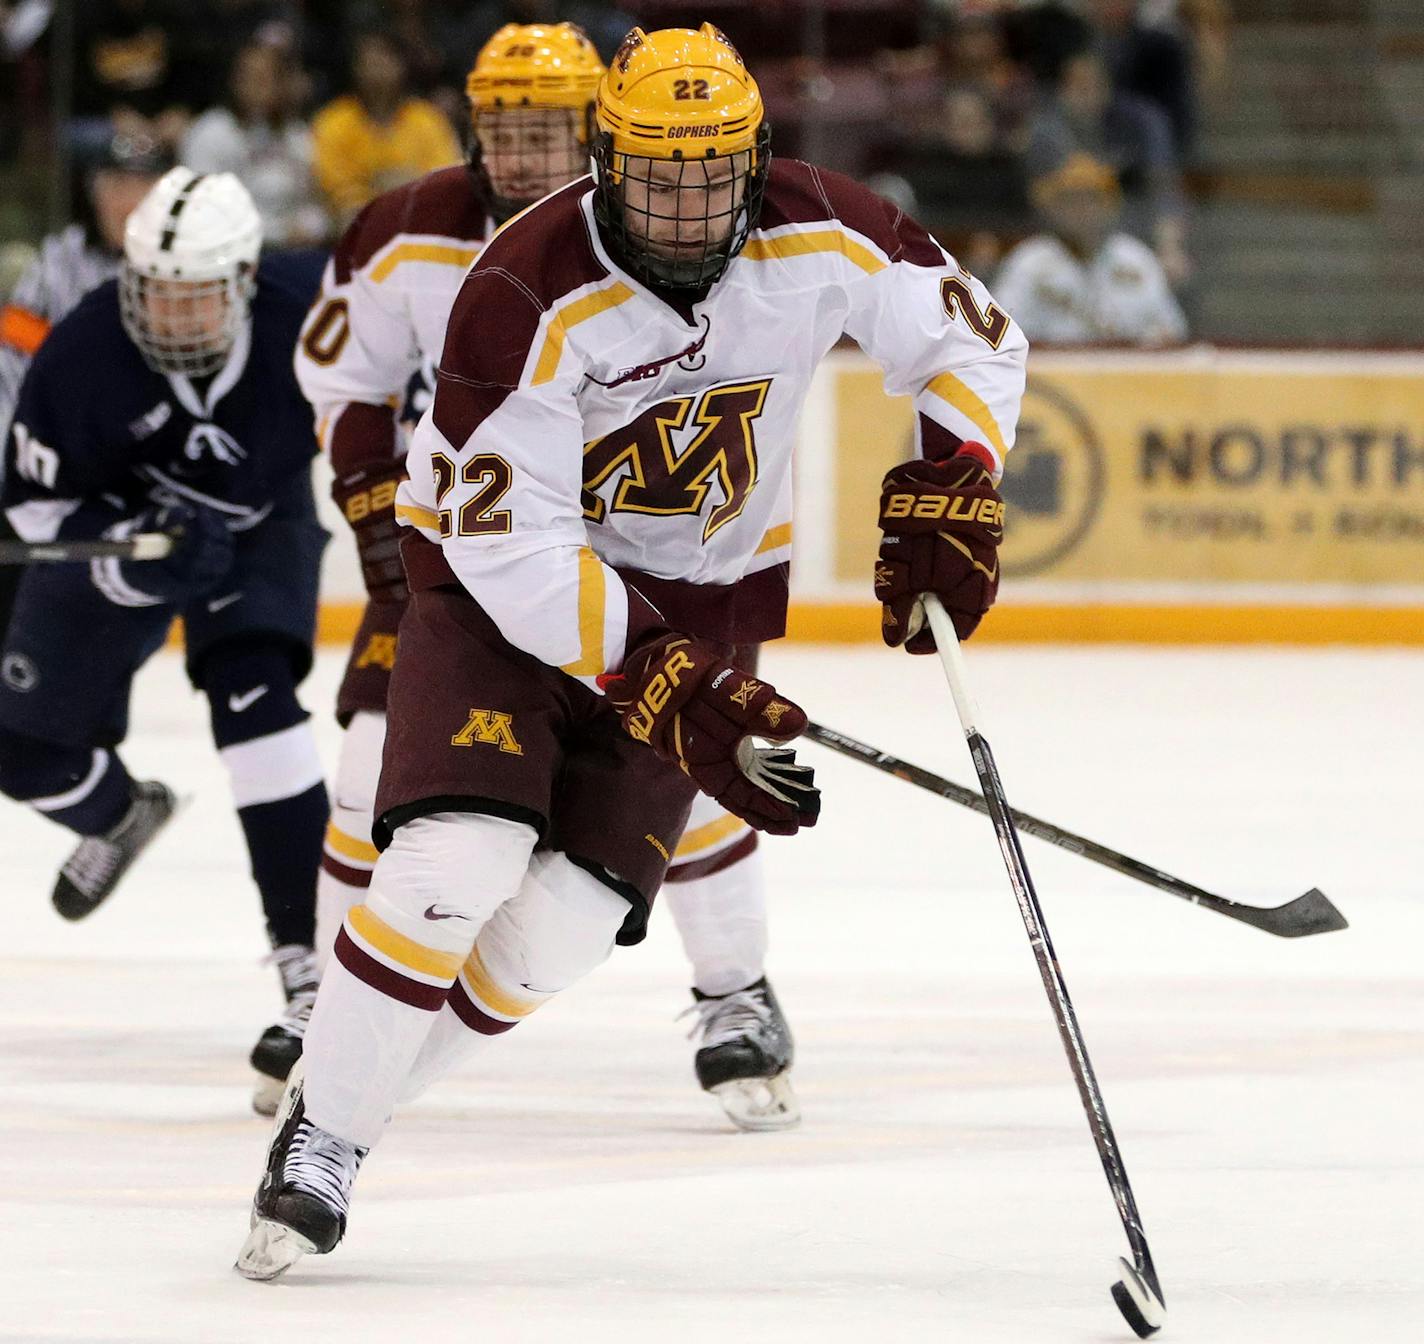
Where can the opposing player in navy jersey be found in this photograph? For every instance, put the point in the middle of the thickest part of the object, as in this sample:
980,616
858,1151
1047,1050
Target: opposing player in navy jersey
166,402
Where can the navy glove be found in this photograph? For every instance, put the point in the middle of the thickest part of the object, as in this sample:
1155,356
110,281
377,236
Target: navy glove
200,559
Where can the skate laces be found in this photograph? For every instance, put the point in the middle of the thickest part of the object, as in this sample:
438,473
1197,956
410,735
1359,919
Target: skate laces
322,1165
92,864
296,964
732,1017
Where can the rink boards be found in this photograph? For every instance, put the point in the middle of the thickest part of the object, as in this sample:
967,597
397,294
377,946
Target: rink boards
1197,496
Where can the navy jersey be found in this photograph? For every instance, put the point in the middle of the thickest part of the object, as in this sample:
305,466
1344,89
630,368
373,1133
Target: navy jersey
98,436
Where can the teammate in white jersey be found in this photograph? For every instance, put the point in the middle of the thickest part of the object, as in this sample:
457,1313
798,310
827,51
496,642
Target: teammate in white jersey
379,324
599,500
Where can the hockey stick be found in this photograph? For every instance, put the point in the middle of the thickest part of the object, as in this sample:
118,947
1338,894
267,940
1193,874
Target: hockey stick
143,546
1305,915
1138,1293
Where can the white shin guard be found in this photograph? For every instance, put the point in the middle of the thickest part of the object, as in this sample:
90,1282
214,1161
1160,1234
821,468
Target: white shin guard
432,891
560,926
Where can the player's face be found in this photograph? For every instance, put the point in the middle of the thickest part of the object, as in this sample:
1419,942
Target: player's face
530,151
186,316
679,210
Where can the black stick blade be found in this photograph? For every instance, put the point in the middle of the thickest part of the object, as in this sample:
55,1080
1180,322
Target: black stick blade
1142,1307
1309,914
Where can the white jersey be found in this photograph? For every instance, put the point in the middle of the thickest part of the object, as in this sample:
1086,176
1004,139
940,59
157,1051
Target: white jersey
380,318
599,461
1119,295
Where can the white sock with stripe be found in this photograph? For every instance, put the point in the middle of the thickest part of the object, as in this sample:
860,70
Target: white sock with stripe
722,921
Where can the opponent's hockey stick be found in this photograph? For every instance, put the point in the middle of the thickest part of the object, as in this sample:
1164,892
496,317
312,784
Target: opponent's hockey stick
143,546
1308,914
1138,1293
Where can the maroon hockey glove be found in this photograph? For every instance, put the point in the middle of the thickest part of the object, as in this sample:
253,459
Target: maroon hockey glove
694,708
943,522
367,500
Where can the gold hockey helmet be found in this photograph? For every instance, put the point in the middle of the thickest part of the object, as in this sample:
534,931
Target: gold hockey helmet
535,65
531,92
681,155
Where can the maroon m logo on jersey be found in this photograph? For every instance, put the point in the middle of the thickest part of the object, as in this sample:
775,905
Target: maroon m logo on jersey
661,477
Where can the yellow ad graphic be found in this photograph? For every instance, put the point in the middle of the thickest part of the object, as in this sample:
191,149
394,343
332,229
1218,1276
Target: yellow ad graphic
1224,473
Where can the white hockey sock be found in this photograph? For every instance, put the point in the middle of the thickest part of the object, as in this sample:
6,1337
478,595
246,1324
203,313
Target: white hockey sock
347,854
722,921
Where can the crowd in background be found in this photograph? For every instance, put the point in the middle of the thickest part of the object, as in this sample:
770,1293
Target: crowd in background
1000,124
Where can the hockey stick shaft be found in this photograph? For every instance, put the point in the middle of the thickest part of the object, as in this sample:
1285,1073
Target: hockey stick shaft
1071,1033
1308,914
143,546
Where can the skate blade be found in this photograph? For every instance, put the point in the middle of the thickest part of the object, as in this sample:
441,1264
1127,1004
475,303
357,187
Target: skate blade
756,1104
271,1249
1143,1310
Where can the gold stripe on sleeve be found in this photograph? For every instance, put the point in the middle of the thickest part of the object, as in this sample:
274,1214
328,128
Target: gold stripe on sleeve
971,405
592,604
441,254
820,240
413,513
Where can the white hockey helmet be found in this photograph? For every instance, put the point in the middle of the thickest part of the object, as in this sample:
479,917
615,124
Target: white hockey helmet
189,270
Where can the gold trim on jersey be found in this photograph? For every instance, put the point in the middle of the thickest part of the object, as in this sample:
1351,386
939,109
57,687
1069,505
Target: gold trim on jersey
349,847
442,254
971,405
775,537
412,956
413,513
820,240
568,317
705,837
592,601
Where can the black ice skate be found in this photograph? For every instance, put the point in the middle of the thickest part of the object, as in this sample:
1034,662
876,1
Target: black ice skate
280,1046
300,1206
744,1056
95,867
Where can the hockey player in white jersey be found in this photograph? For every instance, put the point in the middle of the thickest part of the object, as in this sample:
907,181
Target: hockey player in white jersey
599,504
380,324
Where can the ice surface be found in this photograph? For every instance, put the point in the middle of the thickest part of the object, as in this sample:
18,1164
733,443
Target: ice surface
573,1185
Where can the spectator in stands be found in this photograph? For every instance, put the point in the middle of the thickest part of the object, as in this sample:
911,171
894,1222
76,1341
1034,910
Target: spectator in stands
1082,114
377,137
259,136
1082,281
136,73
972,52
1150,56
961,179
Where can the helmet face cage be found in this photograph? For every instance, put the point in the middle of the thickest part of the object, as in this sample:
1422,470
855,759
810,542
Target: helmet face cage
184,326
678,222
527,152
